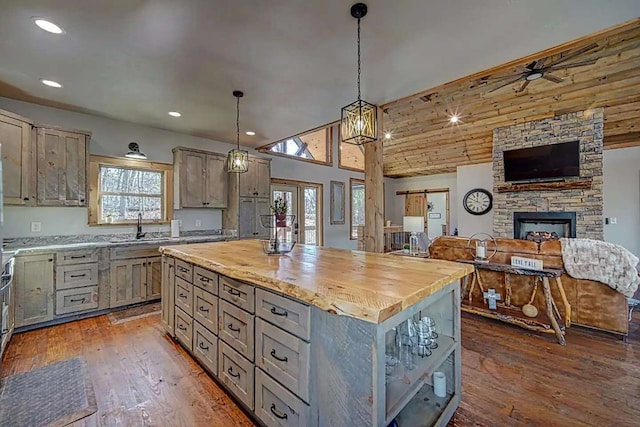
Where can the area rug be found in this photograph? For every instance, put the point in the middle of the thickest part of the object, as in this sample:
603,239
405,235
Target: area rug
134,313
54,395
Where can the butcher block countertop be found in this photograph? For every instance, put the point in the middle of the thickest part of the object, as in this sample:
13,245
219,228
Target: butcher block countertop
367,286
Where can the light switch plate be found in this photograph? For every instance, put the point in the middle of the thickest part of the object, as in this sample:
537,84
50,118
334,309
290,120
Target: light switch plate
198,223
36,227
613,220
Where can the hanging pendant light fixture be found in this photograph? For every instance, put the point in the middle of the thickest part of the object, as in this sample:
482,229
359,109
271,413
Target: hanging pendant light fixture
358,124
238,160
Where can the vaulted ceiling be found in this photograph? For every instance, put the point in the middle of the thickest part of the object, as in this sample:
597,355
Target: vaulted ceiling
136,60
604,71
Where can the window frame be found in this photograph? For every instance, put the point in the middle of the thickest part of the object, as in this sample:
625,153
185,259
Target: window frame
95,162
351,182
348,168
266,149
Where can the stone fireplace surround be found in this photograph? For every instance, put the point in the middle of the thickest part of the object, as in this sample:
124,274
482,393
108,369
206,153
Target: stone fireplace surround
584,126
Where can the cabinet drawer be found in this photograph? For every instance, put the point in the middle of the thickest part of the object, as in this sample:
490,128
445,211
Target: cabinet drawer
276,406
283,356
184,296
205,279
205,309
184,329
77,299
205,347
139,251
236,328
238,293
76,257
236,372
289,315
76,275
184,270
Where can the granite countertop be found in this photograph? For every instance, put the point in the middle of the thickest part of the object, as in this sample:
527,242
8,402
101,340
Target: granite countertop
367,286
116,240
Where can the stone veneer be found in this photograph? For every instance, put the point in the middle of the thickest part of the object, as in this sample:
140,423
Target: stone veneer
584,126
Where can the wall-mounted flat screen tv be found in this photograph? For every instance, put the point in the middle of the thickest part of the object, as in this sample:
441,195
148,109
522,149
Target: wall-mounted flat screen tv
542,163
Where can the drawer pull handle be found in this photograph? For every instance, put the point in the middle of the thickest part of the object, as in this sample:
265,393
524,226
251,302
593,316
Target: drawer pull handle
233,374
183,270
273,354
277,413
77,275
204,279
231,328
203,347
181,295
277,313
204,310
78,256
182,327
233,292
80,300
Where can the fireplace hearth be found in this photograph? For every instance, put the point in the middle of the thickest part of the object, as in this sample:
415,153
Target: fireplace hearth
542,226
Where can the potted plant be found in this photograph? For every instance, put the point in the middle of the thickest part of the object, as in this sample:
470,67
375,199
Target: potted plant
405,248
279,209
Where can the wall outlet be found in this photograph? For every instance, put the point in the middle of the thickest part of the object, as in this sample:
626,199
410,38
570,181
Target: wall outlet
198,223
36,227
613,220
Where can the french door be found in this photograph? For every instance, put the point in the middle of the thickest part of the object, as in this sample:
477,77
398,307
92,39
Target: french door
304,200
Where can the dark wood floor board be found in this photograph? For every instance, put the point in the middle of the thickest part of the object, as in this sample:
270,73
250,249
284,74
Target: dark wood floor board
510,376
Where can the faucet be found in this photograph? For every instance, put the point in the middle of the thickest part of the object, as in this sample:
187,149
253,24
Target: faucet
139,233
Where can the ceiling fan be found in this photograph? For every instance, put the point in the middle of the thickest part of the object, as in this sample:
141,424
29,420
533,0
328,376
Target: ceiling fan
542,69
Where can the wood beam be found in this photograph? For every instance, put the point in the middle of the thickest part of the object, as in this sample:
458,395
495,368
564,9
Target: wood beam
374,193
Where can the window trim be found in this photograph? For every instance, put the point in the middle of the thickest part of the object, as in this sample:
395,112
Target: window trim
266,149
351,182
348,168
93,207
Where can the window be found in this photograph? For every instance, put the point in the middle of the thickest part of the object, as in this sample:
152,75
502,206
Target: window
122,189
356,207
351,157
314,146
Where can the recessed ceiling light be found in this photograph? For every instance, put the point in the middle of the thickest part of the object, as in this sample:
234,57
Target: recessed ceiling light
174,114
454,119
250,132
51,83
387,135
48,26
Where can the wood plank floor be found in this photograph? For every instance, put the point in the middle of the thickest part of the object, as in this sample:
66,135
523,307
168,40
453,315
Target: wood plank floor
510,377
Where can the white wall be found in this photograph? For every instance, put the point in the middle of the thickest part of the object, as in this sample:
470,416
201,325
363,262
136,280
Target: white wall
111,137
468,178
395,203
434,225
621,193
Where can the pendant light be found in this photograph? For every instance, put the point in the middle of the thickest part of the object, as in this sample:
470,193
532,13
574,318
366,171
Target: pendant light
238,160
358,123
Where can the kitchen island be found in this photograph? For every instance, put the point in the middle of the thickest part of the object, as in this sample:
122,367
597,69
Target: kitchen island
314,337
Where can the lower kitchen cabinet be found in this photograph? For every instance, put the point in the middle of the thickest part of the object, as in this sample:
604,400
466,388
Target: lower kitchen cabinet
76,299
34,289
250,225
135,280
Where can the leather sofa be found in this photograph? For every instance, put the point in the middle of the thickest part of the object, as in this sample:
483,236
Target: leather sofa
593,304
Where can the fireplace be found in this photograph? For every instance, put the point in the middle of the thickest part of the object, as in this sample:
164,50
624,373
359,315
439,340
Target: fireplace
541,226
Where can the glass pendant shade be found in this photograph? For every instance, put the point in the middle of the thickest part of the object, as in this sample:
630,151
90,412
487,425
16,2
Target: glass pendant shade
358,123
238,161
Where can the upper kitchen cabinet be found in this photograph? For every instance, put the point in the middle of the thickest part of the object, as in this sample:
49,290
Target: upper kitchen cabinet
15,144
61,172
256,181
200,179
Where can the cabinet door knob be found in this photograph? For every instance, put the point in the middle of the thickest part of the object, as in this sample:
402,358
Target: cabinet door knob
81,200
25,199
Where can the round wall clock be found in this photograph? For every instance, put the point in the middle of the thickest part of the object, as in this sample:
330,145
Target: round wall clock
478,201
